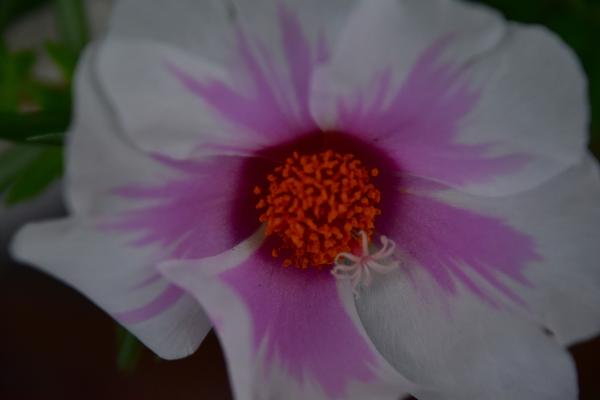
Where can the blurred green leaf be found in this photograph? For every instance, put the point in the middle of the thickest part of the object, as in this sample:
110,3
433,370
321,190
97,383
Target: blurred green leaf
19,90
130,351
15,68
72,24
32,173
49,99
13,161
27,169
64,58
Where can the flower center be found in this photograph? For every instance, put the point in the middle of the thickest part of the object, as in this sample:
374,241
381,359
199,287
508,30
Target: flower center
316,204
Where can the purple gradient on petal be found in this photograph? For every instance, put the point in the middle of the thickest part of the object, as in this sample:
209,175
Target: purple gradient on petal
300,322
419,123
277,104
419,185
449,241
192,216
206,210
159,304
153,278
202,211
260,112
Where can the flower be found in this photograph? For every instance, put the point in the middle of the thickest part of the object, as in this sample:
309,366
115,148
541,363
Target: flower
229,161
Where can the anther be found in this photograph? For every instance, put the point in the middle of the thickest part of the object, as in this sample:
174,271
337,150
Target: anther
313,203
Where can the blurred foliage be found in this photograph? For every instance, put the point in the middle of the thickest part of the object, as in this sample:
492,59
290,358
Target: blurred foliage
33,113
64,58
26,170
72,24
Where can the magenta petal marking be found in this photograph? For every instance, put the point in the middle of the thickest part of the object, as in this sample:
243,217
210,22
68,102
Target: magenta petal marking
299,320
189,216
259,114
177,214
418,124
447,241
458,165
272,107
161,303
153,278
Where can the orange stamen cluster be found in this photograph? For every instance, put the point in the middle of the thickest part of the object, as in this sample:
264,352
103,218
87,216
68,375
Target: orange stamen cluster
316,204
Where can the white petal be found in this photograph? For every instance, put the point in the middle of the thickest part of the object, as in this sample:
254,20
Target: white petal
533,101
286,333
156,112
457,345
201,26
100,158
197,26
458,348
563,218
111,275
201,39
392,35
102,163
531,98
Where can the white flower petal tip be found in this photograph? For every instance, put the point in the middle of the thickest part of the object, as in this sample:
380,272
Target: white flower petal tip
359,269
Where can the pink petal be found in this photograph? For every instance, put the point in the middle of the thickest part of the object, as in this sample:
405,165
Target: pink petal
564,218
286,331
458,245
239,73
300,322
418,123
456,94
205,209
165,300
263,100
